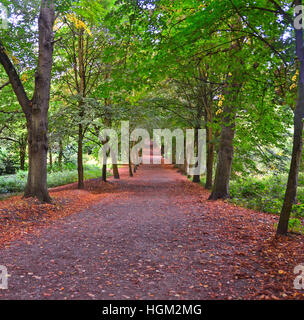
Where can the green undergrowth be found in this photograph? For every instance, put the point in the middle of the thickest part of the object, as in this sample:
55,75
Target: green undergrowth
12,184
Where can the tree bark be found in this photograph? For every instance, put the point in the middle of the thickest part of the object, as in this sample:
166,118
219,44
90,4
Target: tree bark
210,157
104,172
80,158
81,109
22,158
206,97
292,184
60,155
37,146
130,167
104,166
197,178
22,152
116,171
37,120
225,157
50,158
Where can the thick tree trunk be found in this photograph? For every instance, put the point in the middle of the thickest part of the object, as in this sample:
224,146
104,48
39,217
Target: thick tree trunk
225,157
116,171
38,147
80,158
37,119
292,184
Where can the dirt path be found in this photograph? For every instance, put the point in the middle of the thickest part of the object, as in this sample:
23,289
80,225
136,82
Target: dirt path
155,237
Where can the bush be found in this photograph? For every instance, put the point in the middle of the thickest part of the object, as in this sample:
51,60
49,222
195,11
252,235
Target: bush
8,163
265,194
68,166
295,225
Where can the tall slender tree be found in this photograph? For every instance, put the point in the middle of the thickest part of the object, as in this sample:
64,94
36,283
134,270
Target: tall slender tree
292,183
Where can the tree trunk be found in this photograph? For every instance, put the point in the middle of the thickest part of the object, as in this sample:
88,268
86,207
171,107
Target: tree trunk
226,149
81,109
174,152
22,153
104,166
197,178
130,166
36,110
38,147
80,158
60,155
37,120
183,167
116,171
50,158
210,158
104,172
292,184
225,157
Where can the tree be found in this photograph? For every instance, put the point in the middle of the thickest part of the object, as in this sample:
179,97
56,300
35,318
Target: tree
292,184
36,109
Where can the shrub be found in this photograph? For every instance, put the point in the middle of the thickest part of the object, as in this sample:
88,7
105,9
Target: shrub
265,194
8,162
295,225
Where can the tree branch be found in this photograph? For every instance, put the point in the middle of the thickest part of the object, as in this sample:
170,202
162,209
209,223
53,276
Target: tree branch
15,81
4,85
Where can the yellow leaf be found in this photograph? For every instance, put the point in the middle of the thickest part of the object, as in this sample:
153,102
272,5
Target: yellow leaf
24,77
78,23
15,60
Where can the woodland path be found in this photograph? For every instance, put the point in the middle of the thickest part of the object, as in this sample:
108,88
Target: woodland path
155,237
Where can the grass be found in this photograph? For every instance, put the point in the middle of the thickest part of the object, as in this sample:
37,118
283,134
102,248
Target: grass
12,184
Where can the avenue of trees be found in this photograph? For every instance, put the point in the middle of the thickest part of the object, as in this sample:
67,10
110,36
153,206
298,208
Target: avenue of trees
69,69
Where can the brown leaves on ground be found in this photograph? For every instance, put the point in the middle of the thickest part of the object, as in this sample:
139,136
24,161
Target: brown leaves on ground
161,239
20,216
249,237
